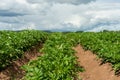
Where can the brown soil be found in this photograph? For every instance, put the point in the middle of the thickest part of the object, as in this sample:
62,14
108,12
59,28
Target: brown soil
14,71
93,69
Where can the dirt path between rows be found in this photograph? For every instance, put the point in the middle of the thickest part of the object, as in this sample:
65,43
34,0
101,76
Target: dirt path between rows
93,69
14,71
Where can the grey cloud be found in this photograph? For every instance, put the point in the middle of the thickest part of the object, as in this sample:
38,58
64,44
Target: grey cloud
10,20
7,13
75,2
36,1
40,14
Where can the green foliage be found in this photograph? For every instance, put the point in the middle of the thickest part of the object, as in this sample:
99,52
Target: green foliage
13,44
105,44
57,63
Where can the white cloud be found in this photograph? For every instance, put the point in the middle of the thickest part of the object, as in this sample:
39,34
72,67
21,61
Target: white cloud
59,14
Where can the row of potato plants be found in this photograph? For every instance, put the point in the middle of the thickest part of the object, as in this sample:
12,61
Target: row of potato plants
105,44
14,43
58,61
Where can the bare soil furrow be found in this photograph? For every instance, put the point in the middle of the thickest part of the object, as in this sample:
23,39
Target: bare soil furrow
93,68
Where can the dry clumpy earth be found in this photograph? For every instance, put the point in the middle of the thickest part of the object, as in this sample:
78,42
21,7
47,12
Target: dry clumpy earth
93,69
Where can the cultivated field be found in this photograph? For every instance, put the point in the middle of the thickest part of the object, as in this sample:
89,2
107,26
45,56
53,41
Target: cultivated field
58,57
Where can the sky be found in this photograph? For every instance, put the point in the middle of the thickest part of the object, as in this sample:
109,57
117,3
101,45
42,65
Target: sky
60,15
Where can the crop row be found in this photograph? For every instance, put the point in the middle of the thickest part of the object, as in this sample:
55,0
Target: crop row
57,63
13,44
105,44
